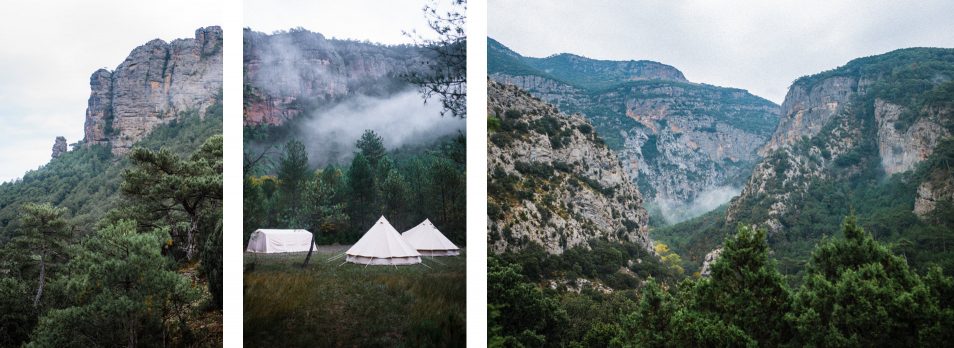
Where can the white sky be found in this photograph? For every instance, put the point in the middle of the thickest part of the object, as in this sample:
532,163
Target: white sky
761,46
49,49
380,21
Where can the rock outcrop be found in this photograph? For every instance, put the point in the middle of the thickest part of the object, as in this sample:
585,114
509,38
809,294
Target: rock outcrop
553,181
678,141
295,72
707,262
59,147
157,83
932,192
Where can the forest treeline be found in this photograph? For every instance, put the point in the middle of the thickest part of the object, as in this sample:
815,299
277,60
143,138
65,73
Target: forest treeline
855,292
340,203
148,273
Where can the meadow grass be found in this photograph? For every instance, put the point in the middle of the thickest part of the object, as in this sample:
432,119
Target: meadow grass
327,305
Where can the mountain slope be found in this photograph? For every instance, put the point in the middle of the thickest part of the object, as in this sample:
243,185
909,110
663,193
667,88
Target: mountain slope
871,138
553,182
688,146
871,118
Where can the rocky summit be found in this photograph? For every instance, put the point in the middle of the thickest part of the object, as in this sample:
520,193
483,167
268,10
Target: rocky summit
553,181
295,72
682,143
157,83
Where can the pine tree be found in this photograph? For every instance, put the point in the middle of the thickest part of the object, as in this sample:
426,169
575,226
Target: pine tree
746,290
326,202
394,192
857,293
17,316
293,174
184,194
43,232
212,265
650,324
363,192
371,145
123,291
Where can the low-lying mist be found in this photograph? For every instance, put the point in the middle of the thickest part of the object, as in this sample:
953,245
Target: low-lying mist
673,212
402,119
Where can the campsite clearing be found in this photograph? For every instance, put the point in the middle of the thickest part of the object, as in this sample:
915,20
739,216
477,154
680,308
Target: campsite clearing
330,304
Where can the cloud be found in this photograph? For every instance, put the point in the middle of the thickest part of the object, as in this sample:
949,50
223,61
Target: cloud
401,120
673,211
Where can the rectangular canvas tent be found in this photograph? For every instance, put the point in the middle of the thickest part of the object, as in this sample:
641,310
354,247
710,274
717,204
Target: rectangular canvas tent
429,241
382,245
280,241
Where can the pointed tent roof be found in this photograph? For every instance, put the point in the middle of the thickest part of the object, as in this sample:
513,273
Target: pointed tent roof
382,241
425,236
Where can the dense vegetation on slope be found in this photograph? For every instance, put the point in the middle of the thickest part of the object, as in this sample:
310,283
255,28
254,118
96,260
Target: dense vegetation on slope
855,292
86,180
128,252
339,203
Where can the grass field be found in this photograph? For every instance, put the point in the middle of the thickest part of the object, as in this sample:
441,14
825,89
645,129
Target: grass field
327,305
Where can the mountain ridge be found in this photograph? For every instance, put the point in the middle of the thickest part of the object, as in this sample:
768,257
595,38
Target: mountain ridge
681,142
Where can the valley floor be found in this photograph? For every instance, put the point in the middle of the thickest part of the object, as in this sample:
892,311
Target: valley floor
352,305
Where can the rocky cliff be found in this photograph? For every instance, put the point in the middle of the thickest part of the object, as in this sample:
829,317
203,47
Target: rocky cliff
552,180
847,129
689,147
157,83
289,73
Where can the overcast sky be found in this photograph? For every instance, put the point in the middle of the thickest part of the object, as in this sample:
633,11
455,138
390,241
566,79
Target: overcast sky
374,20
48,50
761,46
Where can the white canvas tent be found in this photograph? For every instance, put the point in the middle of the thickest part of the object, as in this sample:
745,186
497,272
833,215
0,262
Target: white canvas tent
279,241
429,241
382,245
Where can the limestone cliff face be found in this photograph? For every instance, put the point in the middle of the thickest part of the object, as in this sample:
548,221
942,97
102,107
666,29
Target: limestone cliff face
807,109
902,150
157,83
931,192
677,140
888,112
289,73
552,180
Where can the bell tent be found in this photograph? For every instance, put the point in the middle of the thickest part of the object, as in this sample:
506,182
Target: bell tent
280,241
429,241
382,245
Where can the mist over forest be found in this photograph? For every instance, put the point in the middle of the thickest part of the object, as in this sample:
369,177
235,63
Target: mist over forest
335,90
